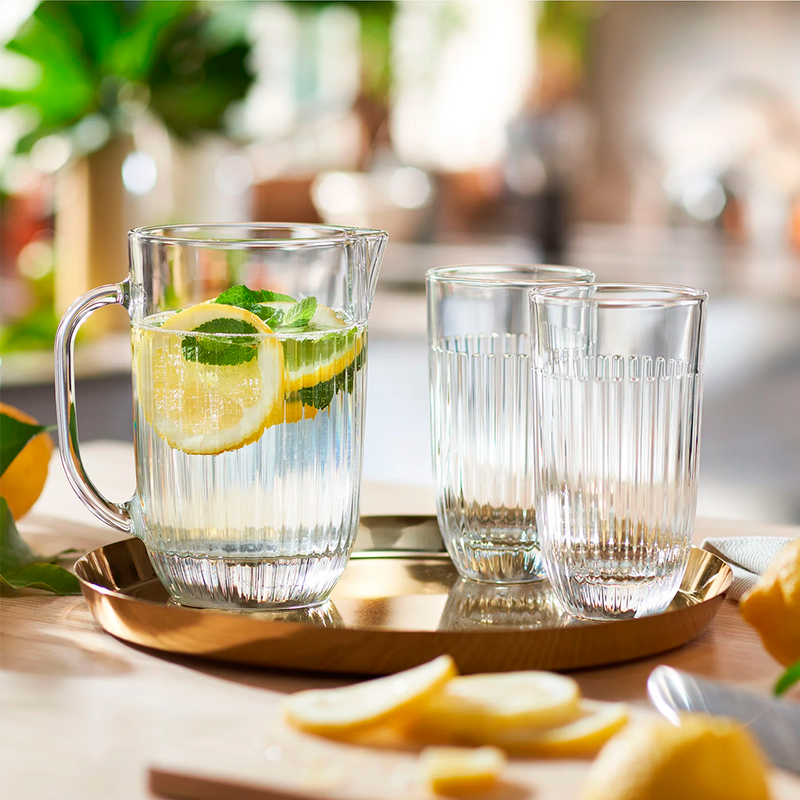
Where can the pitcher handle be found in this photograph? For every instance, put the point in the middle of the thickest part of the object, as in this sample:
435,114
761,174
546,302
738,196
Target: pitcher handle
115,514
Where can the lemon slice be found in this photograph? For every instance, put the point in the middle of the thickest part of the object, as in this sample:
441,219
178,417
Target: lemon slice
327,346
597,723
471,706
338,711
461,770
222,397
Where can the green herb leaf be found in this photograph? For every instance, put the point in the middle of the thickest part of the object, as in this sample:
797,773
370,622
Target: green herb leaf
788,679
299,315
49,577
243,297
271,315
321,395
221,350
20,566
14,435
14,552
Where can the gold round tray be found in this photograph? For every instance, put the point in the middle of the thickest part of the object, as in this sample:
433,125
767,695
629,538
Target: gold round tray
399,603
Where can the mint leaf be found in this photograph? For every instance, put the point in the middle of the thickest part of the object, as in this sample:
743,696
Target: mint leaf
221,350
321,395
20,566
271,315
788,679
243,297
299,315
14,435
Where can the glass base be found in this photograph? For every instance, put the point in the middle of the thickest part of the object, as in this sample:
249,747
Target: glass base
494,557
624,599
263,584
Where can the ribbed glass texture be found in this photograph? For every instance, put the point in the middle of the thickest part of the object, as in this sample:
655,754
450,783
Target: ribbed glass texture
482,454
618,442
268,525
481,424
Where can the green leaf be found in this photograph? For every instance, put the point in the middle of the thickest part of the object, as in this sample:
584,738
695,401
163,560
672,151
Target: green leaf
217,350
299,315
321,395
14,435
21,567
49,577
14,552
243,297
788,679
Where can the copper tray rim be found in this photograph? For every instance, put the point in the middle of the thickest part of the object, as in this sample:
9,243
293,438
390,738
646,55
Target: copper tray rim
696,616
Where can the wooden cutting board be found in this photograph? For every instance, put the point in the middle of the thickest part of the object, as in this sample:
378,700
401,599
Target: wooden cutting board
278,763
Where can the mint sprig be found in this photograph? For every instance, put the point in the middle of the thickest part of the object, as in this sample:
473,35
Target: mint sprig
254,300
220,350
242,296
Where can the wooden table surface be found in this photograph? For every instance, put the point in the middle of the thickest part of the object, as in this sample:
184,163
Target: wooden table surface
84,715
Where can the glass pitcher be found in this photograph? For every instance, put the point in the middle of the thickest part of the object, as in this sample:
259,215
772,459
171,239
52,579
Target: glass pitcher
249,387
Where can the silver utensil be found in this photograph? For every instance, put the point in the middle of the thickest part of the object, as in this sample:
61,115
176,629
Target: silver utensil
774,723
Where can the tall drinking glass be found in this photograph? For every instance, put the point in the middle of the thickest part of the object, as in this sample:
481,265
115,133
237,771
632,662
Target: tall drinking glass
249,381
481,417
617,382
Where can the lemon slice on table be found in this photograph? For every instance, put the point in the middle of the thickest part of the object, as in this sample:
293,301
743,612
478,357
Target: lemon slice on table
597,723
330,349
336,712
461,770
469,707
216,385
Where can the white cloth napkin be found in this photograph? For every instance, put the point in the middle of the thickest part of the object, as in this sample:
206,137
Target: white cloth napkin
748,557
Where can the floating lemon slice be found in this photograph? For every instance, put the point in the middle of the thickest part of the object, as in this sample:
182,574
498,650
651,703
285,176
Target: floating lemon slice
332,346
461,770
206,392
469,707
334,712
597,723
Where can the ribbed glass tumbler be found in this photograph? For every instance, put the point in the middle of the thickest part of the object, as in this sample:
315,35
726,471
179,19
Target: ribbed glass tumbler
617,373
479,333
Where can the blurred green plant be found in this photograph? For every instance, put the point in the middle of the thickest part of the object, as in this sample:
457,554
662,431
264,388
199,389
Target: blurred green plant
185,61
377,18
99,65
568,22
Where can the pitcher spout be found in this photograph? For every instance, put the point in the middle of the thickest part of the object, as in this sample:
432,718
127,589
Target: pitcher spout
374,246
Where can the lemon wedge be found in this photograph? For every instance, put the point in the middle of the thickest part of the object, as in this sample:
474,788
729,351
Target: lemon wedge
324,348
461,770
470,707
709,757
334,712
206,392
597,723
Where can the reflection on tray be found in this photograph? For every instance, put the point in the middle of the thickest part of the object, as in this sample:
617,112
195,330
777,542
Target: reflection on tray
522,606
411,533
325,615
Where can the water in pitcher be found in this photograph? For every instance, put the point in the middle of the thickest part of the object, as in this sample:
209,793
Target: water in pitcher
249,451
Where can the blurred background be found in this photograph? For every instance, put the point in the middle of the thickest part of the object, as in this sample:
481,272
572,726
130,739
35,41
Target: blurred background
653,141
